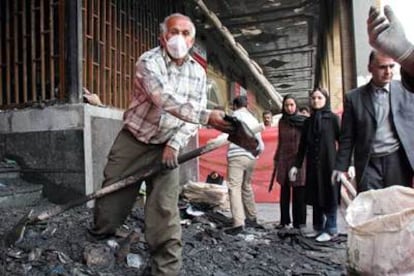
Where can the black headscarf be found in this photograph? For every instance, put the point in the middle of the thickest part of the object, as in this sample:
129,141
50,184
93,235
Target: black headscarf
318,114
294,119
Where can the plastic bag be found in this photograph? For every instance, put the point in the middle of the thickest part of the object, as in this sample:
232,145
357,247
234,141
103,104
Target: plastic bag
381,232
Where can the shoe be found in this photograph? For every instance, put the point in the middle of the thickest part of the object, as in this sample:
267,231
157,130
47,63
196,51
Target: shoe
122,232
281,226
253,223
100,236
294,231
299,226
234,230
324,237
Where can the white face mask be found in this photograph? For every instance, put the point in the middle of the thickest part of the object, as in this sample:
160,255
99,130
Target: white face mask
177,47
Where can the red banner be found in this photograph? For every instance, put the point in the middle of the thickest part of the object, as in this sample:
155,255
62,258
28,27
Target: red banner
216,161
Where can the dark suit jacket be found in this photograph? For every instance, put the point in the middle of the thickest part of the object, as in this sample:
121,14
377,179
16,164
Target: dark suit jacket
359,126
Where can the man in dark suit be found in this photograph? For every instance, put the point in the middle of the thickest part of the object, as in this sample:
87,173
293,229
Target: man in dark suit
377,123
377,127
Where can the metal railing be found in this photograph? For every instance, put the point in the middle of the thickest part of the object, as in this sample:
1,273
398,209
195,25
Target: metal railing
114,34
31,51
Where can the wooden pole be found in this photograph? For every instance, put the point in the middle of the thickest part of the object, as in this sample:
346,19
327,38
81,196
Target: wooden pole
16,62
51,56
8,45
73,51
25,49
33,63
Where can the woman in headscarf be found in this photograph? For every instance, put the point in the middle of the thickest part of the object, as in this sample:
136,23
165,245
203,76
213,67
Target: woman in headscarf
290,127
320,135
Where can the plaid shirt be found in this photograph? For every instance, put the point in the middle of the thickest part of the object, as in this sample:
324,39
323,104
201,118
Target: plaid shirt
168,101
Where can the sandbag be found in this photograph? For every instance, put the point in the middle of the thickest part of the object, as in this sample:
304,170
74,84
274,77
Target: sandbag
212,194
381,232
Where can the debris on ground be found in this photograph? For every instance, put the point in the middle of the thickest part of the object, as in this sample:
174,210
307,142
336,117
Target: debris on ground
62,246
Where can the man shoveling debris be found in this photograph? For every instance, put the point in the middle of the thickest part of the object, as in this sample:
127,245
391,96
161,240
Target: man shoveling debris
168,102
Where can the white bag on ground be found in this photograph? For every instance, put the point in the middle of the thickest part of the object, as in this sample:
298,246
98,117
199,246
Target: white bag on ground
213,194
381,232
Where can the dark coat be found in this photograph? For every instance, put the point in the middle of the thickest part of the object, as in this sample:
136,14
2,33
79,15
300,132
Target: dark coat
320,153
359,126
289,137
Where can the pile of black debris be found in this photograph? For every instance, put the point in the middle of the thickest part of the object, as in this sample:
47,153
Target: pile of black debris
63,246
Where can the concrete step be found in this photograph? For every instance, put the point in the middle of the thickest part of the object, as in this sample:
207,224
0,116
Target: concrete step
15,192
9,169
9,173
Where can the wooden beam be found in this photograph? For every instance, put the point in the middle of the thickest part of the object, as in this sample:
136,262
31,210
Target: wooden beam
241,53
2,25
51,50
61,37
74,51
8,61
42,50
33,49
24,52
15,44
89,45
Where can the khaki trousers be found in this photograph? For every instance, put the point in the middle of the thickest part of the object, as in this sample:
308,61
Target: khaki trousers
242,204
162,220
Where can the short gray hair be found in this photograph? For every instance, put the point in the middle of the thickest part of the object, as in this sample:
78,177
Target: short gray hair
163,25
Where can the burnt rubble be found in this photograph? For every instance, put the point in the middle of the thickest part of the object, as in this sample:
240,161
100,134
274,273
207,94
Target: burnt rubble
63,246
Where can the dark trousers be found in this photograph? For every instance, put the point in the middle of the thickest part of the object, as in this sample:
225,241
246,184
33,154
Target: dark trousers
298,206
161,214
385,171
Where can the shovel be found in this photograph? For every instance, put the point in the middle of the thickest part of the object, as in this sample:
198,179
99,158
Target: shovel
241,135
